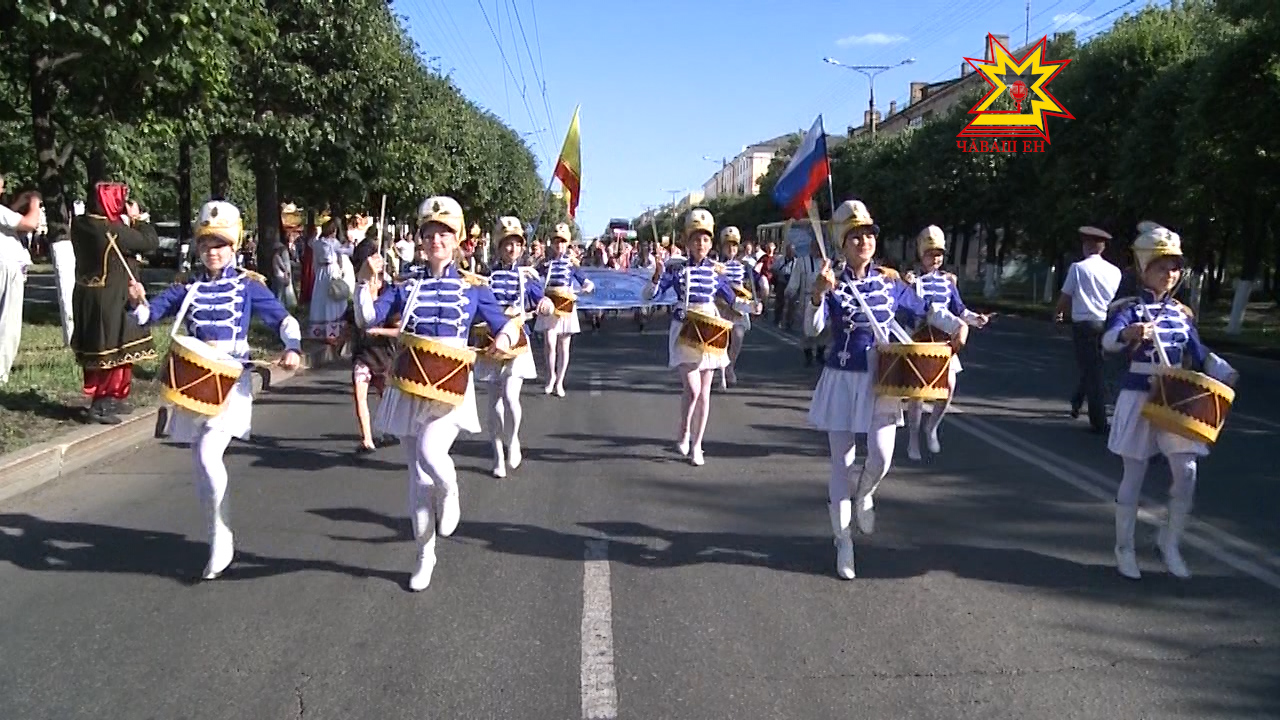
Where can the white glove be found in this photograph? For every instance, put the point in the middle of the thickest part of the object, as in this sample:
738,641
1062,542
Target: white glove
546,307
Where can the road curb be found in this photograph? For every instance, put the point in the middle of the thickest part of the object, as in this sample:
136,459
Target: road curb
31,467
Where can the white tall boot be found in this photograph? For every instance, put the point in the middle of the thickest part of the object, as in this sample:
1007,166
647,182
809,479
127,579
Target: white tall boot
841,515
514,454
424,535
221,540
450,511
1170,536
1126,521
916,412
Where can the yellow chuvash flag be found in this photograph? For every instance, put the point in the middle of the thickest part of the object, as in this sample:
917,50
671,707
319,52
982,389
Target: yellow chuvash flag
569,166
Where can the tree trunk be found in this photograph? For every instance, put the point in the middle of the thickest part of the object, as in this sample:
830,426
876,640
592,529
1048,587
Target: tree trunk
266,181
1250,235
49,165
219,168
338,214
184,205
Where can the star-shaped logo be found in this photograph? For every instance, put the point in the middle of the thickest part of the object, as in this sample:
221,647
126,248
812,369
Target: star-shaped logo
1026,79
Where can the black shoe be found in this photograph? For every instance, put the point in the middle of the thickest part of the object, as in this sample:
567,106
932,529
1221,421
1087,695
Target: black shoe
822,355
808,357
120,407
101,412
388,441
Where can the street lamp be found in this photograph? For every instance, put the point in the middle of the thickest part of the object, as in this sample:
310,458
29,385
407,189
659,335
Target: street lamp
720,179
871,71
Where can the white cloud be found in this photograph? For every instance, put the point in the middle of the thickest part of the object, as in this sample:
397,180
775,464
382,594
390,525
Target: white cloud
1071,19
871,39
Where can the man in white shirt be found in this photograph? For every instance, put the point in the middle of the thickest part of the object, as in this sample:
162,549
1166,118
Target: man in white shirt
14,260
1090,287
803,275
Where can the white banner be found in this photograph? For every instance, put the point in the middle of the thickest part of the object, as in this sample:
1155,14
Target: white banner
620,289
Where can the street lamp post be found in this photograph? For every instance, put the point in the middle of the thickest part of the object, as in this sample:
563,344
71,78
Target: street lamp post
724,164
870,71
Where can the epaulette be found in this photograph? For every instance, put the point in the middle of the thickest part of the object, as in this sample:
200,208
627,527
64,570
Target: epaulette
951,278
719,268
472,278
1185,310
890,273
251,275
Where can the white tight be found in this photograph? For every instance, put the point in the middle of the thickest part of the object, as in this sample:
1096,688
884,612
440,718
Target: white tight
695,404
430,467
505,411
211,471
557,357
915,413
843,485
1182,466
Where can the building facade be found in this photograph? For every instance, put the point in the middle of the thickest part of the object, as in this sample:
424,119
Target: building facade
740,176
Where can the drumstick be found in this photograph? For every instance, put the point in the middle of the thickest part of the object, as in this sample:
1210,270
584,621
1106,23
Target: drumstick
123,262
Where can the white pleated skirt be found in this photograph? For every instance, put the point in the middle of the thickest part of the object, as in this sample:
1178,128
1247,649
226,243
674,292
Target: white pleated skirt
404,415
558,324
680,354
1133,437
236,418
522,366
845,401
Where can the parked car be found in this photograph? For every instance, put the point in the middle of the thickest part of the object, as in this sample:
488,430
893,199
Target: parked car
167,255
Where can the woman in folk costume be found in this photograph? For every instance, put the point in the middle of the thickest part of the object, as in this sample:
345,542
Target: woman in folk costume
938,289
742,279
518,289
438,304
329,299
698,284
560,271
106,339
1136,325
216,307
844,401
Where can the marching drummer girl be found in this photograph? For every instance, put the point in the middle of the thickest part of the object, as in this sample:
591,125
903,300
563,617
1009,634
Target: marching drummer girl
859,306
518,290
1155,330
437,306
742,279
560,272
216,308
939,290
698,283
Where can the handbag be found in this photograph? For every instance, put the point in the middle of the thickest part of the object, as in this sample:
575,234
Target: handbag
342,284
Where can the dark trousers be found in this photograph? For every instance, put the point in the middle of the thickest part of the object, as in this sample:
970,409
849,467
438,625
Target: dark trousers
1087,338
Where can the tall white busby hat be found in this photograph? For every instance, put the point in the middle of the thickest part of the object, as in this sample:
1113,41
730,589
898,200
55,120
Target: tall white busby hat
443,210
931,238
699,220
730,236
563,232
852,214
508,226
220,219
1155,241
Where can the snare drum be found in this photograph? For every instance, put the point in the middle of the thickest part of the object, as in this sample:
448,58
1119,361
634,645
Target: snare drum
1188,404
431,370
705,333
482,340
199,377
564,300
914,371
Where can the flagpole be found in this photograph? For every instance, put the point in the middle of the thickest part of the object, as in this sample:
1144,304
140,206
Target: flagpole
546,196
831,193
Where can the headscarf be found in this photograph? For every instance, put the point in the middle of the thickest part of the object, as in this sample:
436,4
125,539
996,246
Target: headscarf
111,198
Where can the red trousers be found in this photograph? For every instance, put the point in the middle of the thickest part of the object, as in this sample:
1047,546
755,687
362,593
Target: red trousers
114,383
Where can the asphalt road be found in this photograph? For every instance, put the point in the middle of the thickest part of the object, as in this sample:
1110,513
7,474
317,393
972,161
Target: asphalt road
608,578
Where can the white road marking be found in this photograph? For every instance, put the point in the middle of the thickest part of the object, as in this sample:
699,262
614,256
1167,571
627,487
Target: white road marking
1240,554
594,385
599,693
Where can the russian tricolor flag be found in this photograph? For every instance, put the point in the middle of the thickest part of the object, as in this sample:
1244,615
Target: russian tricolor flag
808,169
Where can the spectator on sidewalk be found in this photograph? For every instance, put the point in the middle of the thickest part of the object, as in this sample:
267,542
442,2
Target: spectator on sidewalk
107,339
14,261
1090,287
782,278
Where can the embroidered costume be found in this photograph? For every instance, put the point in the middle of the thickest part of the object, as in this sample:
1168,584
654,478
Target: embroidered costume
441,307
844,401
216,308
1132,436
742,280
560,273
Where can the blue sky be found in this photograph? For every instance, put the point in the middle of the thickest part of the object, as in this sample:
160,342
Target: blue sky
664,83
